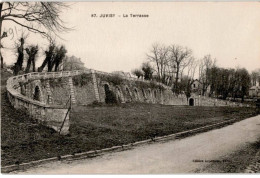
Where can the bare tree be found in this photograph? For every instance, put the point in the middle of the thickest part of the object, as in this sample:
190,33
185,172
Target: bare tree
49,55
255,77
180,59
19,63
59,56
192,67
37,17
159,56
205,65
31,51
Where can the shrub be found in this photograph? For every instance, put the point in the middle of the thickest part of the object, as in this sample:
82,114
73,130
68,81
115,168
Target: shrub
56,82
114,79
146,85
81,80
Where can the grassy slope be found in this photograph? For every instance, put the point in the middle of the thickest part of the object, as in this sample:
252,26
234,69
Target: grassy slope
91,128
109,126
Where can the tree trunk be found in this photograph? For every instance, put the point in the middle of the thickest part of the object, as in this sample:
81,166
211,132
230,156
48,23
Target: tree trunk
33,65
43,65
2,60
19,63
28,65
177,77
50,65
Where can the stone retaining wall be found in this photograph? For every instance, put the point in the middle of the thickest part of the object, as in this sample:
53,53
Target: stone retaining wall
45,95
22,98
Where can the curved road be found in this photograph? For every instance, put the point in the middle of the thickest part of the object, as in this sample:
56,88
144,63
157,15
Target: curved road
176,156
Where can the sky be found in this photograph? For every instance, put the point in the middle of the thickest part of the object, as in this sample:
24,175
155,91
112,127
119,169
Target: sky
228,31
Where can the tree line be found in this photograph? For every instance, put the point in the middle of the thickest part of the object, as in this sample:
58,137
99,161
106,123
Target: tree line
176,66
54,56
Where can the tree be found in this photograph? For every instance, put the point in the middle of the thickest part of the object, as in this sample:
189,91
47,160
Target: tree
192,67
138,73
148,71
31,51
255,77
54,57
19,63
204,75
185,86
49,54
179,58
159,56
243,82
59,56
37,17
229,82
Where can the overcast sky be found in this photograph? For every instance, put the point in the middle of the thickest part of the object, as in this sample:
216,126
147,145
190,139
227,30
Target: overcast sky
229,31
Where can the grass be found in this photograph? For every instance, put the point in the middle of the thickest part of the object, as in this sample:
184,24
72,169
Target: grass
127,123
24,140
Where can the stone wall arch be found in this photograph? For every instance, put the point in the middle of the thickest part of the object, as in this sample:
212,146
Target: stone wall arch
191,102
144,94
136,95
155,94
128,95
119,93
37,93
106,89
149,94
23,90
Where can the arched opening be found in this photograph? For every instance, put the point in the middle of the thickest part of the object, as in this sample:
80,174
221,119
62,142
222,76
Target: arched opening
37,94
143,93
149,94
155,94
128,93
119,95
191,102
110,96
106,87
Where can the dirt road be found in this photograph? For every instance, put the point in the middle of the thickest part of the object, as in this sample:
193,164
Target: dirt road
176,156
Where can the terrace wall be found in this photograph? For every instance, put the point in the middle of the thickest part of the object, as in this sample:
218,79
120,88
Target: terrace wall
21,92
46,95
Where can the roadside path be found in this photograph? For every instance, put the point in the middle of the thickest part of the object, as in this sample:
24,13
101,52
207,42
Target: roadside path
176,156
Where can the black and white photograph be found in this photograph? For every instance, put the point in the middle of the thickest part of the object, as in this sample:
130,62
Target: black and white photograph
130,88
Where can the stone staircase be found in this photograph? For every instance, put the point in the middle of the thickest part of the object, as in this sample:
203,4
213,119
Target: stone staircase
72,94
63,82
49,94
95,85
